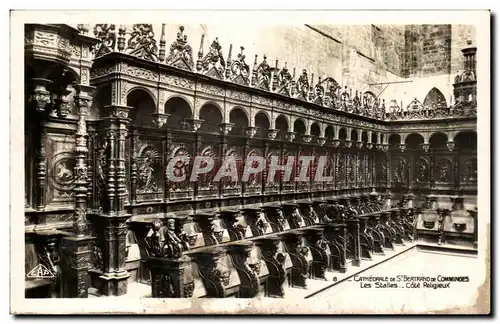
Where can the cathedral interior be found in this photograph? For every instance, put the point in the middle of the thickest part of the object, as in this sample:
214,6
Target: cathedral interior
107,107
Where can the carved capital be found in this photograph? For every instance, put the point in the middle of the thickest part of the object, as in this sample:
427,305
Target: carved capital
307,138
39,96
402,147
251,131
385,147
160,119
450,145
347,143
335,142
369,146
272,133
321,141
425,147
290,136
359,144
119,112
225,128
191,125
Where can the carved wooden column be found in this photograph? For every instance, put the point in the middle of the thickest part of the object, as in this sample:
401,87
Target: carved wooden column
76,250
39,98
115,275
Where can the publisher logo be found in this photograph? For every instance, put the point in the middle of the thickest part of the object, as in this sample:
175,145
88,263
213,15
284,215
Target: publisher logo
40,272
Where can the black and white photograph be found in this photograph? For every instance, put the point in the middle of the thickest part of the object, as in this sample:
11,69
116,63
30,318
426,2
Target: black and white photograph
250,163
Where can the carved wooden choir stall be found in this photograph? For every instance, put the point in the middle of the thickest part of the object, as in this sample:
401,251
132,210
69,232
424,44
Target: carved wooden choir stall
106,114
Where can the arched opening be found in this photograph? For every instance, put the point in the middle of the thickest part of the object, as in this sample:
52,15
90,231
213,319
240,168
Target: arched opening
435,99
466,141
354,135
329,133
342,134
262,124
299,127
179,110
414,141
281,126
143,107
102,99
239,120
315,130
364,137
374,138
438,141
394,141
212,118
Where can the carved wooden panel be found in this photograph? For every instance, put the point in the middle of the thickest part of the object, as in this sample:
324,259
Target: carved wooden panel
148,158
351,168
272,184
468,171
60,163
443,171
341,170
206,186
288,185
421,171
399,170
232,186
179,157
329,170
254,183
301,168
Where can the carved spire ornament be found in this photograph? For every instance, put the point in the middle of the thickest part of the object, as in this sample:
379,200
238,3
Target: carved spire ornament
181,53
213,64
142,42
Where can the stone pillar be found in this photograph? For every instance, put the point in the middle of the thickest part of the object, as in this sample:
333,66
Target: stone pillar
76,250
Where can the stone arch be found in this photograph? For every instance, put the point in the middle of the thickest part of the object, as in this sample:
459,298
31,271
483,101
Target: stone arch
435,99
239,117
414,140
179,109
143,105
374,138
212,117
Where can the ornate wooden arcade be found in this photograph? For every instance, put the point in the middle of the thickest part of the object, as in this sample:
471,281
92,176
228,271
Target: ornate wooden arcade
116,124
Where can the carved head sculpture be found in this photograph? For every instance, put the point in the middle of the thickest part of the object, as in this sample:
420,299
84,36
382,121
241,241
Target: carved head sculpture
171,224
156,225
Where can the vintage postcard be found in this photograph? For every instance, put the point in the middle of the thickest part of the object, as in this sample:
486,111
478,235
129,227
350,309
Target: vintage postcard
250,162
